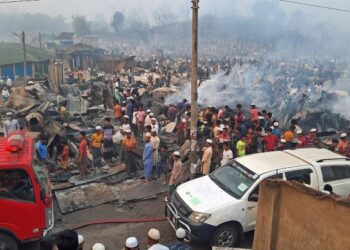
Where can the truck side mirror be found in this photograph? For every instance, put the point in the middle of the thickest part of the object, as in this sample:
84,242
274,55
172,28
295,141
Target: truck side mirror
253,197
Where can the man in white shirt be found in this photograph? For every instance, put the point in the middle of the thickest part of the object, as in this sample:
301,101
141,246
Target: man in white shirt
10,124
227,154
5,94
153,240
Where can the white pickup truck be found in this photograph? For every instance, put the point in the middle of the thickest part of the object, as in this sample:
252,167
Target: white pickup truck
217,209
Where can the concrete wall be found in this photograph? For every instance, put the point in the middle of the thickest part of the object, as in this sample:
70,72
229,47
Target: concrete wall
292,217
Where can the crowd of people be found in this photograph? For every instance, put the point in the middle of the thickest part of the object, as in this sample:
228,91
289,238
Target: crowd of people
71,240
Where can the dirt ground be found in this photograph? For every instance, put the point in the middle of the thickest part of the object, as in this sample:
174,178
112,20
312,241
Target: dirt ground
113,235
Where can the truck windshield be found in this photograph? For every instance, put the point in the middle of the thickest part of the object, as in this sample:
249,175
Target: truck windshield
234,178
40,173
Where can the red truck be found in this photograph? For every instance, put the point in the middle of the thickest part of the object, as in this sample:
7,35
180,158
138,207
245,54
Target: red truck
26,208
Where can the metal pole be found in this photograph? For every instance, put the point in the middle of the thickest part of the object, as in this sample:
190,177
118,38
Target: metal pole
40,44
194,94
25,57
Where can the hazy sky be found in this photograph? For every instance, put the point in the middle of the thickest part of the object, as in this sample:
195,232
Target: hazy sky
145,8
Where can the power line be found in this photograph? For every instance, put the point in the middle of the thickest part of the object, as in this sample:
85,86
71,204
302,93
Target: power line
314,5
18,1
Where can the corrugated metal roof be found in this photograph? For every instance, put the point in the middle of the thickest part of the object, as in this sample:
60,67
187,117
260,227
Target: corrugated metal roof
11,53
22,158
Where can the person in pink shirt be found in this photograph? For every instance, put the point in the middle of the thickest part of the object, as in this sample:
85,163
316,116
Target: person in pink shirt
140,120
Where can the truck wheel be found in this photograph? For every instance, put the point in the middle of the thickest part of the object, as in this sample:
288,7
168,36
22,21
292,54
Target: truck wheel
8,242
225,236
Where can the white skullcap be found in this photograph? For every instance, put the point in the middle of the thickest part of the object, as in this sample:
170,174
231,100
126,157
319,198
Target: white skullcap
299,132
184,120
253,104
125,116
177,153
209,141
80,239
128,131
151,114
313,130
98,246
9,113
343,135
180,233
154,234
283,140
148,134
149,111
98,128
276,124
131,242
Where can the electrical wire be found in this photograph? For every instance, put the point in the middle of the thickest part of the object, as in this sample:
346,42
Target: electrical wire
314,5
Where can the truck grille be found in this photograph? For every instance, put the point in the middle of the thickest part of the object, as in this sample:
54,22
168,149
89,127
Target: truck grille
180,206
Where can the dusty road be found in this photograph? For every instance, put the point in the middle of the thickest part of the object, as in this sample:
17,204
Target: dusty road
113,235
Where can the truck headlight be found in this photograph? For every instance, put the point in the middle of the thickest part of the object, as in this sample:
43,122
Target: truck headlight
199,217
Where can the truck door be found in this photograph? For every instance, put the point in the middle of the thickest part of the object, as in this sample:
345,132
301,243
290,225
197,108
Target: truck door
252,203
19,213
338,176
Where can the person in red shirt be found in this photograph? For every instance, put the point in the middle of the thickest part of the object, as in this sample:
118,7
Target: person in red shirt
82,156
254,113
224,137
270,141
311,138
64,157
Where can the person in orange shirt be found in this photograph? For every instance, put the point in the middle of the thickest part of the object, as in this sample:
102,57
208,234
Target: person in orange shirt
289,136
254,113
118,112
129,144
343,144
64,157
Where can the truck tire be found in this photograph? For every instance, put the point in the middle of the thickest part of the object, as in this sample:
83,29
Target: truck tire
8,242
225,236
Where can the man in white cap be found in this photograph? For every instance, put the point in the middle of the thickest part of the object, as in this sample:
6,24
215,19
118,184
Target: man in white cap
180,244
154,125
98,246
96,147
343,144
301,139
206,158
147,157
311,138
153,240
175,173
125,126
80,242
132,243
275,130
155,145
148,118
10,125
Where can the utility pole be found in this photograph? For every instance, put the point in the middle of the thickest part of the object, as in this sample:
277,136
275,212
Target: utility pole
23,39
194,94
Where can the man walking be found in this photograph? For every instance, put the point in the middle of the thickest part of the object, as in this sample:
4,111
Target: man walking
10,125
129,144
147,158
82,156
155,145
206,158
175,174
96,145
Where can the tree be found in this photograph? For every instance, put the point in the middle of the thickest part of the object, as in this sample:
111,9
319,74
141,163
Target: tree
80,25
117,21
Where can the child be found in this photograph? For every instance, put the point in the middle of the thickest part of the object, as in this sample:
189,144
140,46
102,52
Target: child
64,157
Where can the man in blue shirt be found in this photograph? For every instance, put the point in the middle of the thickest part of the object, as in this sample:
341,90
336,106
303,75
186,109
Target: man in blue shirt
147,158
43,154
275,130
180,244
